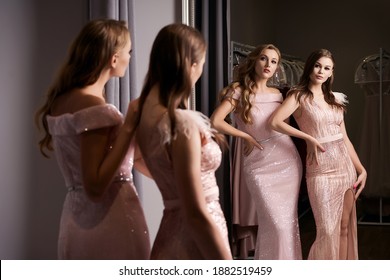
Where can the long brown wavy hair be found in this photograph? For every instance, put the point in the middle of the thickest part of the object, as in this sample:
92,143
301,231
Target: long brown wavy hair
89,54
246,81
176,48
301,90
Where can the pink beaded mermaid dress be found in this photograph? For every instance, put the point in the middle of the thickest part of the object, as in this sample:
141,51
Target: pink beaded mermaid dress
328,181
174,239
272,176
113,228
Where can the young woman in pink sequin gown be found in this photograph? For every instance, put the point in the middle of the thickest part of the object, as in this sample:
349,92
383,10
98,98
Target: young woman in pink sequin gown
272,167
178,148
334,174
102,217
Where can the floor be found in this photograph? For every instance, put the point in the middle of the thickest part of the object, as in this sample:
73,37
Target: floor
373,233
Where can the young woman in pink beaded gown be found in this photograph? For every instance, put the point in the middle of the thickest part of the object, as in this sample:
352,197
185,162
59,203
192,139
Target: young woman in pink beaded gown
272,167
178,148
102,217
334,174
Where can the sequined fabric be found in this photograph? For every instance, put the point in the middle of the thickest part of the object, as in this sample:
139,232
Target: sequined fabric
174,238
114,228
328,181
272,177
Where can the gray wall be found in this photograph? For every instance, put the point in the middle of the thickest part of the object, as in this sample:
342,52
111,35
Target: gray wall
350,29
34,39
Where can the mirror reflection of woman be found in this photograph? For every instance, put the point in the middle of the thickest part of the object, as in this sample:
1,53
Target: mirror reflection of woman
271,163
335,176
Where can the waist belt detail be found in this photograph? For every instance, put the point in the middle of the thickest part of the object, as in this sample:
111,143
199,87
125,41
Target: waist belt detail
330,138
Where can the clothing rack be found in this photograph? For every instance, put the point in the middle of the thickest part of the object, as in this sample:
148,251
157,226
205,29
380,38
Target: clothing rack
373,72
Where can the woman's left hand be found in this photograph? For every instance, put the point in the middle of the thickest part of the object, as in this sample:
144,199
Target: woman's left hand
360,183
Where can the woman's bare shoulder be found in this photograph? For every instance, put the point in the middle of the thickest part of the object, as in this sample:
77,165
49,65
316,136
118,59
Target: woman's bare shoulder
75,101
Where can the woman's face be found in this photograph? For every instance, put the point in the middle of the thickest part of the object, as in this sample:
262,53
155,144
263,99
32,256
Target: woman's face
122,59
266,64
197,69
322,70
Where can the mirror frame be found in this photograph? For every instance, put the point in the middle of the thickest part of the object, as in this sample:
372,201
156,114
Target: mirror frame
188,17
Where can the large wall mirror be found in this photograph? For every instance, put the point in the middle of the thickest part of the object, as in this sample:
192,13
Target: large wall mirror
357,33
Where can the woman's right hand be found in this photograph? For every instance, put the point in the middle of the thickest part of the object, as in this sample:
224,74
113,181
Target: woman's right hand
312,151
130,117
249,144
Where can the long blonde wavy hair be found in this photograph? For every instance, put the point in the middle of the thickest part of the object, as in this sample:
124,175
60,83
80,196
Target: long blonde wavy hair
88,56
245,80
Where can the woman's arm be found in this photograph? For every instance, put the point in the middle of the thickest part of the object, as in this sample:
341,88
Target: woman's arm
186,158
362,174
139,163
99,165
277,122
218,121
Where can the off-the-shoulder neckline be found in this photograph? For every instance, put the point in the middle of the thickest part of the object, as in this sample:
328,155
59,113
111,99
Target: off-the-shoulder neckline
81,110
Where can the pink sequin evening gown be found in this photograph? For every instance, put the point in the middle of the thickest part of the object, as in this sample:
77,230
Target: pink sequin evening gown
272,176
114,228
174,239
328,181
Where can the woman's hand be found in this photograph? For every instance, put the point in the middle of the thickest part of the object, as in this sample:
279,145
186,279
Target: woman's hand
130,118
249,144
312,151
360,183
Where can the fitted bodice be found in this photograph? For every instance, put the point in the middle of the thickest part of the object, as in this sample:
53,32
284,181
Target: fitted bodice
115,226
263,105
322,123
158,159
66,131
175,239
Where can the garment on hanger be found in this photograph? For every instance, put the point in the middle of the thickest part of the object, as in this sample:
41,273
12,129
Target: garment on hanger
374,72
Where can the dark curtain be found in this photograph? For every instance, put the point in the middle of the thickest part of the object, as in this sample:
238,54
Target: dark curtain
212,19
